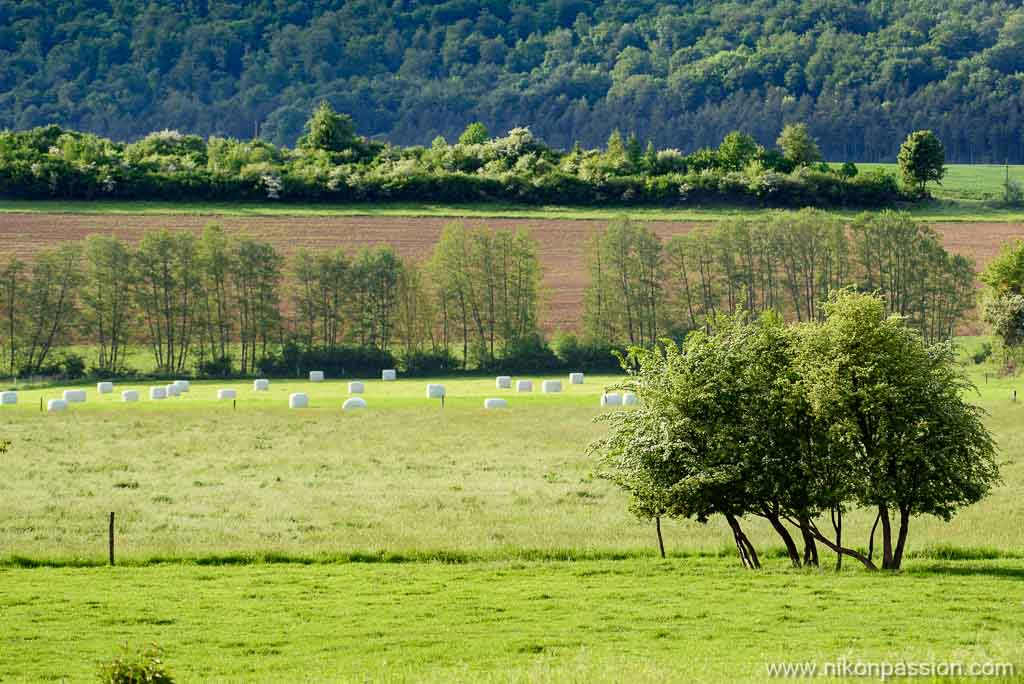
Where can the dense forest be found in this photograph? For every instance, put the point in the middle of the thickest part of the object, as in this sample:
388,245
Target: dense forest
861,73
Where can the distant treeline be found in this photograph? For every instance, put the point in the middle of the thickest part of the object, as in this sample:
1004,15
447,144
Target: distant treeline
216,305
333,164
860,73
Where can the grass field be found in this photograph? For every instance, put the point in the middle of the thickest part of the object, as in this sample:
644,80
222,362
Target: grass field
967,181
692,620
414,543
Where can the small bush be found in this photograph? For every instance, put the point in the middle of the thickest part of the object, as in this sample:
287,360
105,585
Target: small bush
141,667
982,354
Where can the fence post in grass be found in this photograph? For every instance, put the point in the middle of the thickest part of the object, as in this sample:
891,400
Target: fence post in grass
40,404
111,537
234,404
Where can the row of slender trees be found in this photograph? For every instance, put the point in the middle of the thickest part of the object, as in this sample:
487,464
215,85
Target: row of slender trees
221,304
644,288
226,304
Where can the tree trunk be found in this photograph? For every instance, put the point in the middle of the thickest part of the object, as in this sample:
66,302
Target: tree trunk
901,539
810,548
883,513
661,542
748,556
787,538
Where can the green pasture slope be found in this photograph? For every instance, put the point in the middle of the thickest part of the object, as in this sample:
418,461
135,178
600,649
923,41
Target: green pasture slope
414,543
969,193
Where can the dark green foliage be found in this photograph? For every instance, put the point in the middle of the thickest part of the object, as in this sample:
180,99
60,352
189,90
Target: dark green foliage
337,362
861,74
137,667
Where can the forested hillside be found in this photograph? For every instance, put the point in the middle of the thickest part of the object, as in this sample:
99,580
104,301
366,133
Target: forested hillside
861,74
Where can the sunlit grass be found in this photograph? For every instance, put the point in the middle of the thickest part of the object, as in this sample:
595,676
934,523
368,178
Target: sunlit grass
694,620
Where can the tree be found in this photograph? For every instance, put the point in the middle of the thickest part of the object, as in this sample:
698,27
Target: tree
475,134
50,304
12,292
737,150
1003,307
108,307
167,293
922,159
917,448
328,131
798,146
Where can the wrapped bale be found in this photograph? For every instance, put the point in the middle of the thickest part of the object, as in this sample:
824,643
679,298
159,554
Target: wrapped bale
8,398
173,390
74,396
356,388
524,386
316,376
298,400
261,385
226,394
630,399
353,403
611,399
551,386
130,395
435,391
575,378
157,393
56,405
389,375
503,382
104,387
495,404
183,386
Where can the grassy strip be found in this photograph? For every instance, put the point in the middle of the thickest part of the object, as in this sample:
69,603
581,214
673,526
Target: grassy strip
939,210
454,557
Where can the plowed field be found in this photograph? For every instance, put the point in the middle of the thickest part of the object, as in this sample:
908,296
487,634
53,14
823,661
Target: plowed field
562,242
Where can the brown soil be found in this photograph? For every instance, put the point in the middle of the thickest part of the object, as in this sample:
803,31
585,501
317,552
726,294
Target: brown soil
562,242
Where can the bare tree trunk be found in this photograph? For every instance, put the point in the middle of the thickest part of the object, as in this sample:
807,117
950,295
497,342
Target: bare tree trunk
661,542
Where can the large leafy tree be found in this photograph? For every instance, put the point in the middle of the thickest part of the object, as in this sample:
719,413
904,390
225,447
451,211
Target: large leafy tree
922,159
794,424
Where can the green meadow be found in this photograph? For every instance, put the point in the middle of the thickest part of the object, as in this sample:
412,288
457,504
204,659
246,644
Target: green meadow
411,542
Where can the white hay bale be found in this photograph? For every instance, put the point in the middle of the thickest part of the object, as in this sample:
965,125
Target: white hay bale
630,399
157,393
575,378
182,385
56,405
495,404
551,386
503,382
435,391
261,385
524,386
353,403
130,395
226,394
173,390
356,388
298,400
389,375
611,399
316,376
8,398
74,396
104,387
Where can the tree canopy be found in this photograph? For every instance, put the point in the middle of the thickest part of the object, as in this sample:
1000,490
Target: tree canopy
859,73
